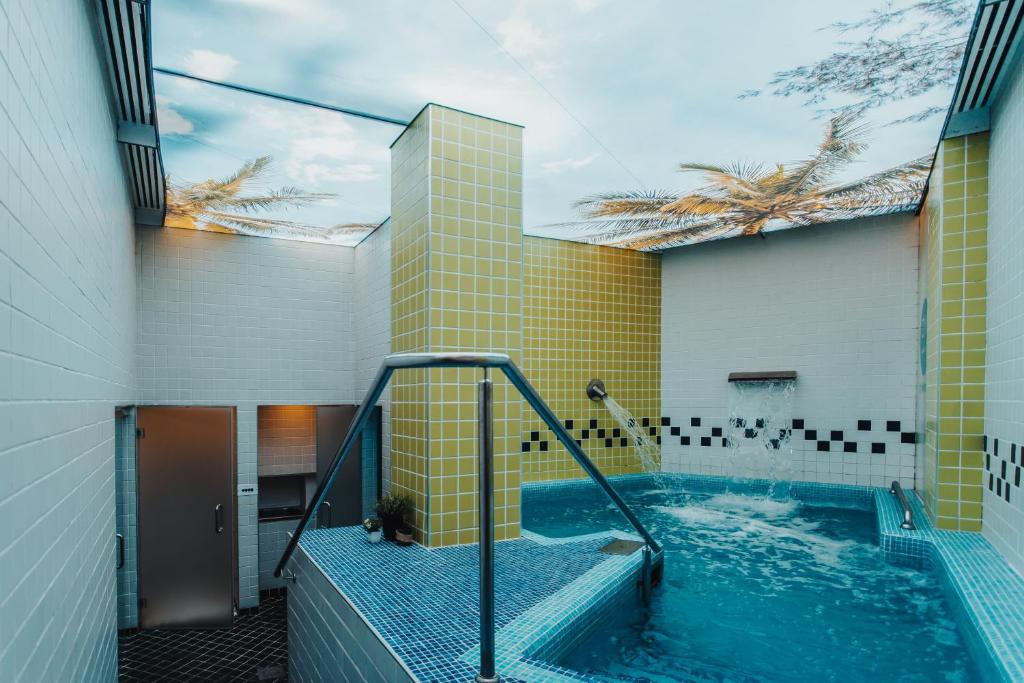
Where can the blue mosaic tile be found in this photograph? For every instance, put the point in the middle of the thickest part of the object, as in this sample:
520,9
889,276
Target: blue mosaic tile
549,590
984,589
527,645
424,602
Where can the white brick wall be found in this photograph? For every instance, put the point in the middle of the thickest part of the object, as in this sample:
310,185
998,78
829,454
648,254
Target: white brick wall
373,324
1003,522
67,320
243,321
838,304
328,640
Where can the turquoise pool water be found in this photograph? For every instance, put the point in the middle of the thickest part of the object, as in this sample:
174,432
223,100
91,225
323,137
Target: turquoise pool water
759,590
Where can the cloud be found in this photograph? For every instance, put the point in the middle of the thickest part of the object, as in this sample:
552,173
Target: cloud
286,6
209,64
317,21
569,164
523,40
318,174
323,148
520,37
171,122
263,4
643,92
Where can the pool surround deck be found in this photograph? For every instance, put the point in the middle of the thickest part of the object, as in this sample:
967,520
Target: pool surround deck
422,603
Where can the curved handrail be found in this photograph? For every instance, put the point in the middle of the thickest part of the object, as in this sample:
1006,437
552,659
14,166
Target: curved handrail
908,512
400,361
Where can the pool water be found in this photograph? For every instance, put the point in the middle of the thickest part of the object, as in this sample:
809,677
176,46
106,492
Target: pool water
757,589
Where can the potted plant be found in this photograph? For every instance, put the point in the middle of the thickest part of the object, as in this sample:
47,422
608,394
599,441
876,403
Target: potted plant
403,535
392,510
372,526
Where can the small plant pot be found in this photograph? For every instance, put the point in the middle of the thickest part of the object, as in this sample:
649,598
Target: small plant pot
373,536
390,524
403,536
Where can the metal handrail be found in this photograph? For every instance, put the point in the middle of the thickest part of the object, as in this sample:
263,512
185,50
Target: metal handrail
908,512
401,361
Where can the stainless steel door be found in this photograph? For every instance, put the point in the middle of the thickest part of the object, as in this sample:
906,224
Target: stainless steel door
186,507
346,494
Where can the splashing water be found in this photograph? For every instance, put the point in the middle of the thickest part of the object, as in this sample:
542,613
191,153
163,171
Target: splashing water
647,449
759,590
759,432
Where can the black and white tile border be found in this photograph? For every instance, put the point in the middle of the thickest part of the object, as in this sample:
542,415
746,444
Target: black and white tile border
876,437
1003,466
589,433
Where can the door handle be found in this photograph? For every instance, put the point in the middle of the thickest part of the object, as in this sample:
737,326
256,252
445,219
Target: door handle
120,550
218,519
320,515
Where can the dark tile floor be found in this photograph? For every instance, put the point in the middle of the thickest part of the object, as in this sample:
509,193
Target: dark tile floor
255,648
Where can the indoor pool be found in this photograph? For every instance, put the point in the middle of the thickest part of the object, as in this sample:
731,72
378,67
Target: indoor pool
759,589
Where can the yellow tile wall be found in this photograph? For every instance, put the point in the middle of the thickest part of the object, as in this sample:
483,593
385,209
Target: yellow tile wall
955,254
457,261
589,311
410,426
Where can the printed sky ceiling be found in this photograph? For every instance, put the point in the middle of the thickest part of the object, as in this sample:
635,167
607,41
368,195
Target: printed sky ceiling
613,96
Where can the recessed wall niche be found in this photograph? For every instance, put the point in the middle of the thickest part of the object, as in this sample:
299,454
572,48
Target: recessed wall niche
286,440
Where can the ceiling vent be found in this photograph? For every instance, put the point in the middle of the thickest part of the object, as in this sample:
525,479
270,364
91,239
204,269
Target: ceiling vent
991,51
125,27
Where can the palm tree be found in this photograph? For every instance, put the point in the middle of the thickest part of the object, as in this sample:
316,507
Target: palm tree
744,199
224,206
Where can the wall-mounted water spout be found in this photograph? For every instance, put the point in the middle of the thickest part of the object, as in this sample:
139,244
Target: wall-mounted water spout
644,443
759,430
595,390
765,376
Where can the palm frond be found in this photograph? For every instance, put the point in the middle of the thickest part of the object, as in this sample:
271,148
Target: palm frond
754,225
224,205
344,229
611,229
747,199
692,234
891,186
699,205
353,227
623,203
257,224
843,143
286,197
739,177
248,171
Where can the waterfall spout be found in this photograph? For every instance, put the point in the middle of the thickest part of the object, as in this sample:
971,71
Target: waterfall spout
646,447
759,432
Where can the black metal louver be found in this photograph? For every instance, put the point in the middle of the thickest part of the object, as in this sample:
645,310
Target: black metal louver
991,49
125,25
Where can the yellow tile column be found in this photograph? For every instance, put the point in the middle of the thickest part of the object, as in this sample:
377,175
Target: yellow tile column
456,286
955,256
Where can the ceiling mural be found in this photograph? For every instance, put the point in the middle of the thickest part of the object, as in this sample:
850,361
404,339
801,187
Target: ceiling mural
648,125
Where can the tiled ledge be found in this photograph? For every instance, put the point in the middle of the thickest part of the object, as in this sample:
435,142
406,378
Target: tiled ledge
540,635
983,588
988,592
422,603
